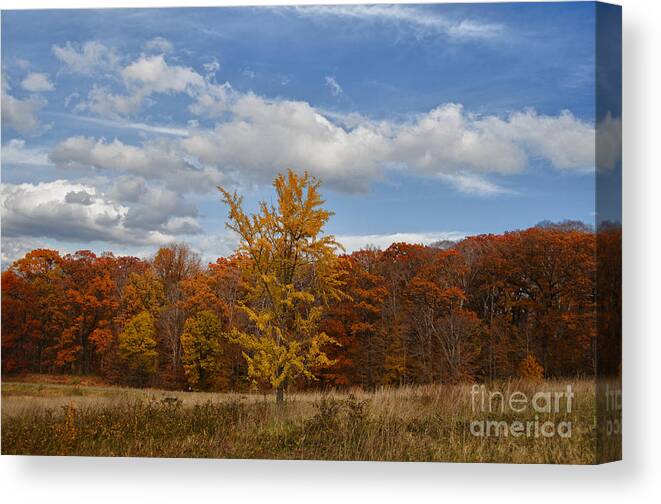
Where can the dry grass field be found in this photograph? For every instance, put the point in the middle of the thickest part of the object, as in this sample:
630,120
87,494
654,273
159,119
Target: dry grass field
424,423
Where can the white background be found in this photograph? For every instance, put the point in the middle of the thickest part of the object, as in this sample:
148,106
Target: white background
636,479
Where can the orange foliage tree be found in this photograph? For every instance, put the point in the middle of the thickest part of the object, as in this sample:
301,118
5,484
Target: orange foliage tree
524,303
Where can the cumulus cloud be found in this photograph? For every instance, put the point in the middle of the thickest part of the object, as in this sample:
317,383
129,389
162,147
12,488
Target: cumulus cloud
80,197
36,82
162,209
255,137
144,77
20,115
102,101
41,210
69,211
91,58
215,245
262,136
155,160
182,225
153,75
564,140
213,101
446,139
127,189
15,152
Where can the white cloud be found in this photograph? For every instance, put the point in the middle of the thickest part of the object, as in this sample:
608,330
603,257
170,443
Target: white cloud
564,140
418,21
147,75
162,209
446,140
69,98
333,86
212,246
101,101
213,101
159,44
255,138
142,78
92,58
155,160
15,152
70,211
128,189
36,82
153,75
264,137
121,124
260,137
211,68
20,115
41,210
382,241
182,225
472,184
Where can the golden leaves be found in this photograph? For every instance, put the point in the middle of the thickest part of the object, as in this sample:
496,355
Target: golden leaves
290,275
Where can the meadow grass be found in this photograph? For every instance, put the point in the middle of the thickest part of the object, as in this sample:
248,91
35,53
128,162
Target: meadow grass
422,423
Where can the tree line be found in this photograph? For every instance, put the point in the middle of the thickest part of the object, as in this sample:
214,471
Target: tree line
290,310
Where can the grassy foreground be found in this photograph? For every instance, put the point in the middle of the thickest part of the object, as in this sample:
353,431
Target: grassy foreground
426,423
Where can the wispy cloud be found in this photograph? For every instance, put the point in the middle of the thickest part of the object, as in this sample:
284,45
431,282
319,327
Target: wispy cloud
159,44
128,125
92,58
333,86
420,21
477,185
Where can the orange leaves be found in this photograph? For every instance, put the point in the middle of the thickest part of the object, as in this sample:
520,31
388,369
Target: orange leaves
91,304
101,338
409,314
38,262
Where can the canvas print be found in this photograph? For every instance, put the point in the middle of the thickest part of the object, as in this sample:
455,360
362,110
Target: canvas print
329,232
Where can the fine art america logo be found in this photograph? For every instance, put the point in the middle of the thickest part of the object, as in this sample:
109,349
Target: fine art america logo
525,409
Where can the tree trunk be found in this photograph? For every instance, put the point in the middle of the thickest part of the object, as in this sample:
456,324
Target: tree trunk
280,394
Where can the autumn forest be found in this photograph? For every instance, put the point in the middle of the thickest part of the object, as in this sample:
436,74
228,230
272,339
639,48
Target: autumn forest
290,311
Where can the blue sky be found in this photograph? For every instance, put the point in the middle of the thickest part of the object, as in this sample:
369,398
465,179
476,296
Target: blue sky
423,121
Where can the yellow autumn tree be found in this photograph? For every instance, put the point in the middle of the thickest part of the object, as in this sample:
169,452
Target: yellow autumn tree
201,348
290,276
137,349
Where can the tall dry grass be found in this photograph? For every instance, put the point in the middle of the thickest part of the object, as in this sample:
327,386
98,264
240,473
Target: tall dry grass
422,423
